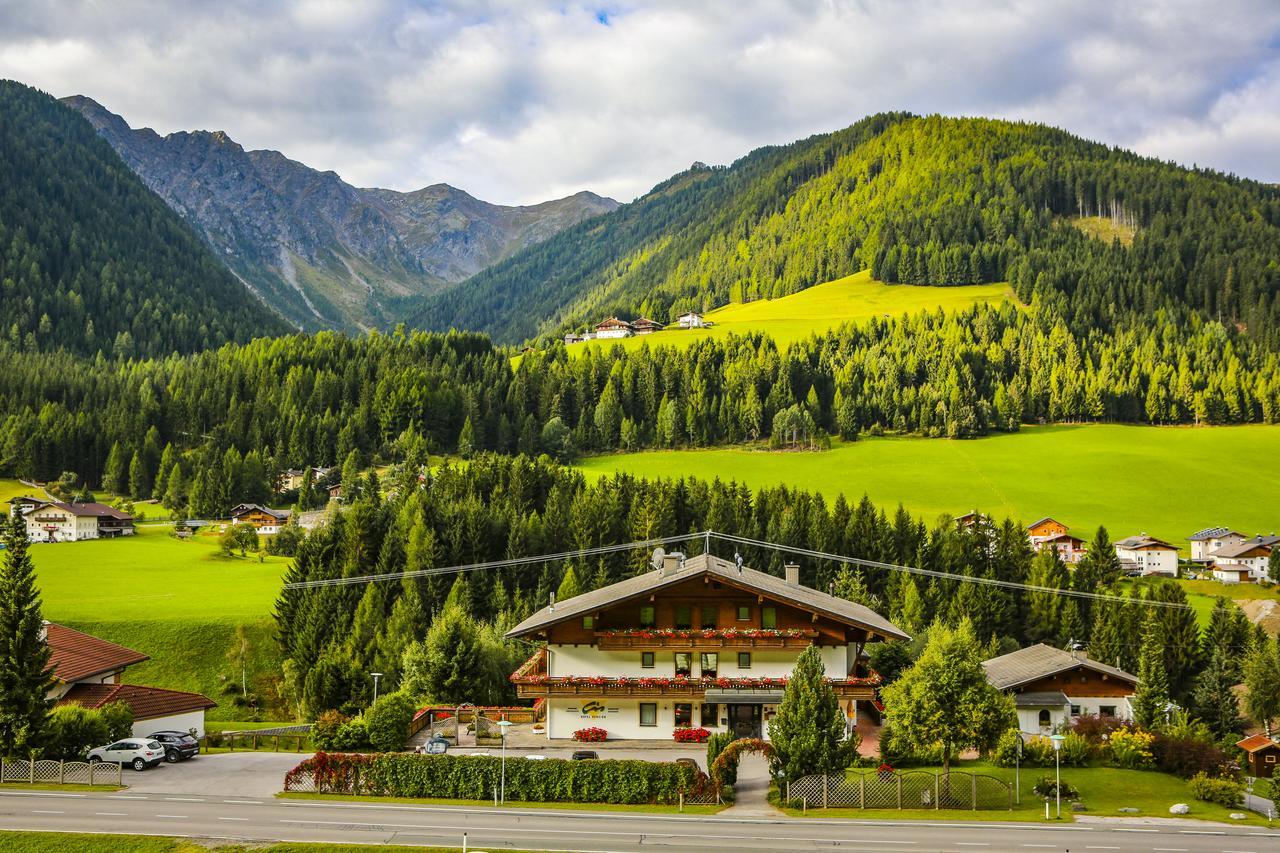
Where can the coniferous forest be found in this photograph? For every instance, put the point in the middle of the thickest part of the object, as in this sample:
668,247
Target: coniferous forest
90,259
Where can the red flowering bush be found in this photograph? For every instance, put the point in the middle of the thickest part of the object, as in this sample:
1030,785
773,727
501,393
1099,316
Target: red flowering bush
592,734
688,735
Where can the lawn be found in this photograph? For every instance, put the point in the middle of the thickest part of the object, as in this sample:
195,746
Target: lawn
1103,791
178,601
78,842
818,309
1166,481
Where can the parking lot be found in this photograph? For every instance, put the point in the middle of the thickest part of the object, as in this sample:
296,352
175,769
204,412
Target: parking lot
245,774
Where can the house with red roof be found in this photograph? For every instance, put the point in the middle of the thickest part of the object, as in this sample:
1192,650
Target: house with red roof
87,671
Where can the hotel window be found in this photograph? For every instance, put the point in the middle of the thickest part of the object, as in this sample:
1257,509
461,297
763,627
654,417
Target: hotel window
1107,710
769,617
709,616
646,660
711,715
744,660
684,714
684,663
646,617
684,617
588,623
744,613
1075,710
710,664
648,713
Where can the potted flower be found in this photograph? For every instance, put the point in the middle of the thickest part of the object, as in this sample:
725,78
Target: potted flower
592,734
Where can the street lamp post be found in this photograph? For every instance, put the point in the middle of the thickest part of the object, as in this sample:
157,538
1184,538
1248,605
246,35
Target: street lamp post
1017,772
1057,769
376,676
504,725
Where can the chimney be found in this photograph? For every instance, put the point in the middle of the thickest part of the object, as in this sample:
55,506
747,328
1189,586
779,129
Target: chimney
792,573
671,564
551,606
44,630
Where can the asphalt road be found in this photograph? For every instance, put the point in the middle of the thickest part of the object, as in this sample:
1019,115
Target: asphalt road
266,819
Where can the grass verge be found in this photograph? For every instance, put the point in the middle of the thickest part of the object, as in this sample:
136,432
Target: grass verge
511,804
81,842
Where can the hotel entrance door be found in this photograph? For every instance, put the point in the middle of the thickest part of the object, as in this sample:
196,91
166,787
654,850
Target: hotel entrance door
744,720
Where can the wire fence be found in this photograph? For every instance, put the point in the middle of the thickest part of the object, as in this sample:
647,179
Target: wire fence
901,789
47,772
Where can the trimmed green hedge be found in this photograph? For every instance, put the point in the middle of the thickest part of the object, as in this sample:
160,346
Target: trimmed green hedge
473,777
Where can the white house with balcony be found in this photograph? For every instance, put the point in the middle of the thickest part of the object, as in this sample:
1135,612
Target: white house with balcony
1248,560
1051,687
702,642
1147,555
55,521
1205,542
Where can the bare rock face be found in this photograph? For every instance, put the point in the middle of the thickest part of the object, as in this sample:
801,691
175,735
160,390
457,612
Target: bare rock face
323,253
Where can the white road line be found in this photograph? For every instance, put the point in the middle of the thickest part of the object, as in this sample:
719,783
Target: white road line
1040,845
1171,849
1198,832
123,797
1237,851
233,818
1136,830
1099,847
45,811
183,800
244,802
972,844
111,814
174,816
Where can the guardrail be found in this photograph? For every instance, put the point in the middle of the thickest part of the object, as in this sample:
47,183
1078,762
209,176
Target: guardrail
49,772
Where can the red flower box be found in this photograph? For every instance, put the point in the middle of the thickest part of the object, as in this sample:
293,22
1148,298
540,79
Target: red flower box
594,734
689,735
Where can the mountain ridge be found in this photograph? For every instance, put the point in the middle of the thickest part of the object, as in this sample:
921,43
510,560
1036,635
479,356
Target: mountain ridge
323,252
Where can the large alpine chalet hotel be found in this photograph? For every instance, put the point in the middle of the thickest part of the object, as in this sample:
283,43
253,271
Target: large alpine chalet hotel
702,642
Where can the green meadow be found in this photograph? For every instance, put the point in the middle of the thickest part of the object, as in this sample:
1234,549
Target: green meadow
178,601
1165,481
818,309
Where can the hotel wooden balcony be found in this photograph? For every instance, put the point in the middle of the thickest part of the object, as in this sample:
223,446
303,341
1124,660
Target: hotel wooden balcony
705,640
532,682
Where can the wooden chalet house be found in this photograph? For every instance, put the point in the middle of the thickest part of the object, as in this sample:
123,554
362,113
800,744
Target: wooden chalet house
614,328
696,642
265,519
645,326
56,521
1051,687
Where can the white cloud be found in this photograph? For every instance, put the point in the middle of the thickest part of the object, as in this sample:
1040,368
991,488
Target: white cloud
522,101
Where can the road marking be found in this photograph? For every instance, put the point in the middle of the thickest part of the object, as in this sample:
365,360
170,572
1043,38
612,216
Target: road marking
183,800
45,811
233,818
1171,849
972,844
1039,845
1099,847
244,802
1136,830
1199,832
174,816
111,814
123,797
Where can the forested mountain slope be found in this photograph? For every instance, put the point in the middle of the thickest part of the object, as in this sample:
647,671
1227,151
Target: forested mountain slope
918,200
90,259
326,254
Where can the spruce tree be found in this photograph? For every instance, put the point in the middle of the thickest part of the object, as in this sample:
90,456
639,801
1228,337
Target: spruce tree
115,477
1152,696
808,731
569,586
1106,643
1213,701
25,678
1262,683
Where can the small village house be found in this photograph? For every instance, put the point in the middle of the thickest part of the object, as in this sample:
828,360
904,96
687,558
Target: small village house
56,521
1262,756
1051,687
573,338
87,671
1147,555
265,519
614,328
1045,528
1244,561
1071,549
972,519
697,642
294,479
1205,542
691,320
645,326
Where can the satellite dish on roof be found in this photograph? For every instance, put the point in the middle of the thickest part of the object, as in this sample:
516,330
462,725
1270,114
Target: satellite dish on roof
658,554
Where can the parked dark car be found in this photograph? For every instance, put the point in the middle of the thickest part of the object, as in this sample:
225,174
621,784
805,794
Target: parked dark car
178,746
585,755
436,746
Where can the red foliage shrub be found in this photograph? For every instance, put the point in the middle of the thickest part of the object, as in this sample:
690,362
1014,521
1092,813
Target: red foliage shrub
593,734
1092,727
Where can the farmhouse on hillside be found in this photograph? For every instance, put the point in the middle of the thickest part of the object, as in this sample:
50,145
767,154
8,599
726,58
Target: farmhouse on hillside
645,326
691,320
1070,548
1051,687
1262,756
1205,542
1147,555
55,521
694,642
265,519
87,671
1045,528
1244,561
614,328
972,519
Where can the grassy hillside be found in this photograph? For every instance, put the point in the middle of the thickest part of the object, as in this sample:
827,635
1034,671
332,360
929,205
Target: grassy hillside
1167,481
921,200
816,310
178,601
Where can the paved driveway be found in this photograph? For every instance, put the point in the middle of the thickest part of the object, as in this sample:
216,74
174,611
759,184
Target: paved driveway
244,774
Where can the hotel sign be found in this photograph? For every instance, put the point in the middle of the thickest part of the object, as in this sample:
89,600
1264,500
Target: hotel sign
592,710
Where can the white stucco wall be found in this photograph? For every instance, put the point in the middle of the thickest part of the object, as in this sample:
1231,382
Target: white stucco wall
1152,562
568,660
621,717
175,723
1029,718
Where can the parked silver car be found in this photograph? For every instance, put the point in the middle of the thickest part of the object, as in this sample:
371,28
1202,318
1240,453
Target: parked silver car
138,753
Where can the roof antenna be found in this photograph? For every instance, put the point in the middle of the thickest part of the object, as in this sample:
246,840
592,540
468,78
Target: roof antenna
552,606
737,560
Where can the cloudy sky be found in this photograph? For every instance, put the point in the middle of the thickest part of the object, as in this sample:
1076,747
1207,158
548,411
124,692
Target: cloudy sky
522,101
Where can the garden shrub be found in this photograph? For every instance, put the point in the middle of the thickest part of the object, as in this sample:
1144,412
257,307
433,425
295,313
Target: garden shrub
1047,787
1188,756
474,777
1092,727
1221,790
1037,752
893,751
388,721
1131,749
353,734
1006,752
119,719
1075,751
72,730
591,734
716,745
324,731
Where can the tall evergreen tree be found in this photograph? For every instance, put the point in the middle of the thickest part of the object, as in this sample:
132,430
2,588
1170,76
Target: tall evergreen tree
809,732
1262,684
1151,698
1213,701
24,655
